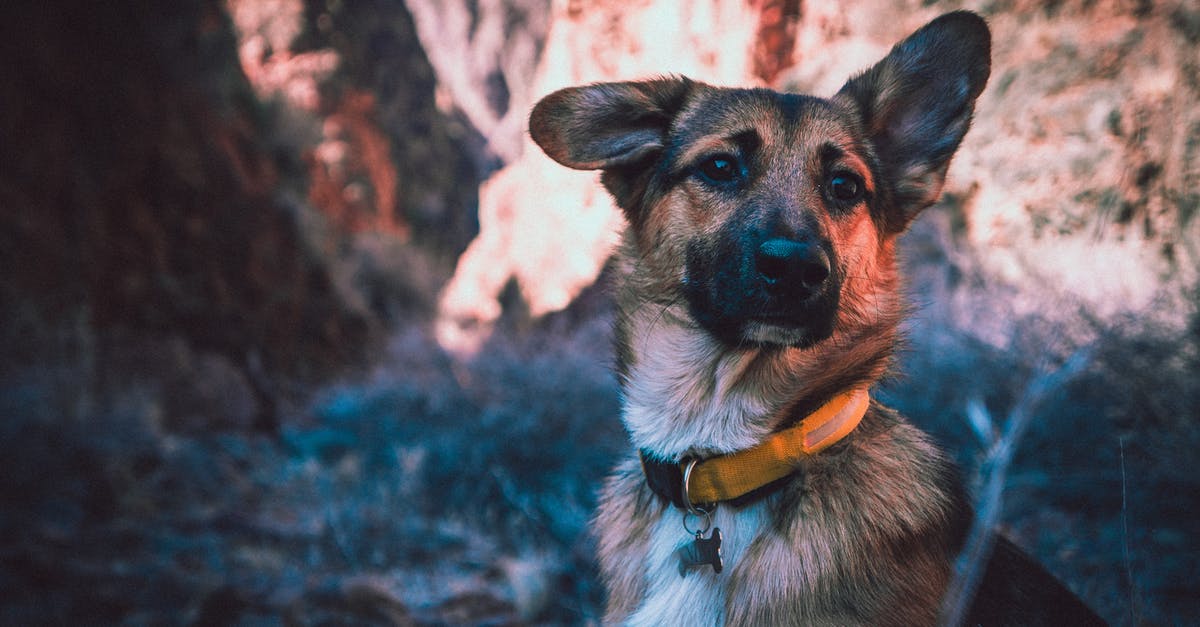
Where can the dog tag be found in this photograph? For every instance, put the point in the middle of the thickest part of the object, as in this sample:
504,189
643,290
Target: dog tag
701,552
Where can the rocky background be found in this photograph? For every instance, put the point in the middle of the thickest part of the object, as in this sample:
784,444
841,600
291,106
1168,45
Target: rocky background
298,328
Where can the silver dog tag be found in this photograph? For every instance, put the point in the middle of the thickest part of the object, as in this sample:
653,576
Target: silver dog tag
701,552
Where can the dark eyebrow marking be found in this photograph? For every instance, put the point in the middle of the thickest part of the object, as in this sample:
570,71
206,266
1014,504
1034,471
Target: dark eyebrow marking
747,141
830,153
747,144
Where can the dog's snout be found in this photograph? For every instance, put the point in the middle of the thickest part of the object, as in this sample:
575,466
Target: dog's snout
787,264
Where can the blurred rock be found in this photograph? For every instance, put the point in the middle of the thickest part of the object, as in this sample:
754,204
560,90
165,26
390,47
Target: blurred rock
1078,184
485,54
385,159
1081,171
242,192
142,189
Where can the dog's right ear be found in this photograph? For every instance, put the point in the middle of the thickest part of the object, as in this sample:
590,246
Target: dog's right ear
916,105
607,125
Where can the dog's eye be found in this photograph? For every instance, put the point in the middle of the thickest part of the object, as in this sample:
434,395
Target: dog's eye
720,168
845,188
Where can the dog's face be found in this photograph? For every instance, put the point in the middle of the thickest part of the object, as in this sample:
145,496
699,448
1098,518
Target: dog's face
772,215
761,200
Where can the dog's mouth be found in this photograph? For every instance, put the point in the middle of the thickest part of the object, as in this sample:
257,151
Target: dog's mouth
744,323
771,333
800,330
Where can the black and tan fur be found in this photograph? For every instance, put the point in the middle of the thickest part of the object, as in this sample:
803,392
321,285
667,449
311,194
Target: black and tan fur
756,281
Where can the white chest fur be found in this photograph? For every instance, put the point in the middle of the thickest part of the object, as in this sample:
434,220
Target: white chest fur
685,392
697,597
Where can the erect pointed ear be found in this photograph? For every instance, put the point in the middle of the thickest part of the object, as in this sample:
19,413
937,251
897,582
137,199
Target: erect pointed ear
916,105
607,125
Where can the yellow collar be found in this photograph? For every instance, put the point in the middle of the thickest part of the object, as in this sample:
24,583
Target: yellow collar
733,475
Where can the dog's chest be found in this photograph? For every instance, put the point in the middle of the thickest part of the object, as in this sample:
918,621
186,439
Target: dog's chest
698,596
686,393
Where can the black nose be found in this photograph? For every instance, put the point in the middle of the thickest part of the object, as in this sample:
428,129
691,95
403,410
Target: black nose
787,264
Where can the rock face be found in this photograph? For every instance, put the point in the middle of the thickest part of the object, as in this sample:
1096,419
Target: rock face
1081,172
269,180
1083,155
234,181
141,191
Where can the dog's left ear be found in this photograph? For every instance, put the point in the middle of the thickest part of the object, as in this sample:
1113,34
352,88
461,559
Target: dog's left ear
607,125
615,127
916,105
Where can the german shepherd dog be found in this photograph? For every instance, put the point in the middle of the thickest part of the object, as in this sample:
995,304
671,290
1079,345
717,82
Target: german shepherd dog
758,301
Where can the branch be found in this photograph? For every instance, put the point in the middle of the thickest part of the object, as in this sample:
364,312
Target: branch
972,560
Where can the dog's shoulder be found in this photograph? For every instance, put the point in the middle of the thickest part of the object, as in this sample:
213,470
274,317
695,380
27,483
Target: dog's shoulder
891,470
1016,589
902,459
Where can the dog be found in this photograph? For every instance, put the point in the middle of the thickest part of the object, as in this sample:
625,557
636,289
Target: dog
758,301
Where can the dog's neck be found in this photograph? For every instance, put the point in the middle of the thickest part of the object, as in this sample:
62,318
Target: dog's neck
685,393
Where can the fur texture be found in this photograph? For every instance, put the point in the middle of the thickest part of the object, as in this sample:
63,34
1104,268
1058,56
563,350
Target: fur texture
757,280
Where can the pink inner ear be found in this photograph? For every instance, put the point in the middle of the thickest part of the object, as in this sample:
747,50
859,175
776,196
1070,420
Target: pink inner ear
616,148
607,125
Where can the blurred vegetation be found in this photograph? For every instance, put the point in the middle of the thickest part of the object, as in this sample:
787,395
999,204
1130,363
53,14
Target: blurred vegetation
443,493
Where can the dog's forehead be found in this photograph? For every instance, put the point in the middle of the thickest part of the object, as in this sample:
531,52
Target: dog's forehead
773,118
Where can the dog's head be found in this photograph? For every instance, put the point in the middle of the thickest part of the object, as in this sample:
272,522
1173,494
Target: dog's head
772,215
